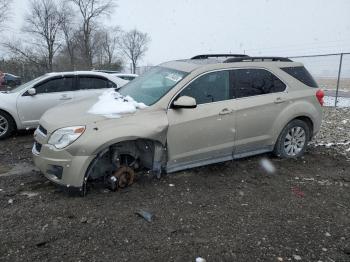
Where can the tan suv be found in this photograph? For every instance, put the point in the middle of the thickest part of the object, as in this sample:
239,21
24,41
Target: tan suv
179,115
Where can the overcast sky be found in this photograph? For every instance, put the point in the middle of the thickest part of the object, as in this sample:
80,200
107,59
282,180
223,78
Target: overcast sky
183,28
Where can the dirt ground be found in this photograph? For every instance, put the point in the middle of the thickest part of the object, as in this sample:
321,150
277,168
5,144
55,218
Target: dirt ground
234,211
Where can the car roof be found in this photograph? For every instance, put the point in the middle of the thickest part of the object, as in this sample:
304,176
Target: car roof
111,77
124,74
201,61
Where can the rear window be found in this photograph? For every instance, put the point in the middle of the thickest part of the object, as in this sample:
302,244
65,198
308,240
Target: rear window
300,73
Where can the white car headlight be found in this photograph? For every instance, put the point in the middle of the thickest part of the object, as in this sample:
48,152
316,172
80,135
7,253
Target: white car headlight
65,136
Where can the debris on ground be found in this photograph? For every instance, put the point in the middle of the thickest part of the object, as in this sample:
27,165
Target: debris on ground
297,257
200,259
29,194
145,215
297,191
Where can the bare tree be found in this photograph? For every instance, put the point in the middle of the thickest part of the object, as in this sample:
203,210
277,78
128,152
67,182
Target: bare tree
5,6
109,43
91,11
26,54
69,32
44,22
134,44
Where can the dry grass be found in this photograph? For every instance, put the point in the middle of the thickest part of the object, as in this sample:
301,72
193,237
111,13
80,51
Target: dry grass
331,83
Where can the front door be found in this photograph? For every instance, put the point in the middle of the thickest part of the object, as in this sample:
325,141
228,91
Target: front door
49,93
204,134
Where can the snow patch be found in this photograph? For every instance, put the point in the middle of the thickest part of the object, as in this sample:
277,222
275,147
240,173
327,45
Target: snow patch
342,101
111,104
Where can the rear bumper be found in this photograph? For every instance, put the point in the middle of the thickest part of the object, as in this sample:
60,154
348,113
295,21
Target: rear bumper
60,167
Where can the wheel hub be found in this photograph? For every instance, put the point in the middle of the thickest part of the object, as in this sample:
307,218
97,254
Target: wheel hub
124,176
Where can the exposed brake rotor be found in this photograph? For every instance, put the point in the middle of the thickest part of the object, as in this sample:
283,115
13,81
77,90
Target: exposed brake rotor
125,176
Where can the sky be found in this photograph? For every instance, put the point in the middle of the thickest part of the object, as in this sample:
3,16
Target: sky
184,28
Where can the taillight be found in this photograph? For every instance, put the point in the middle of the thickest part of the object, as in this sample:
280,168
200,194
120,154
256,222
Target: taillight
320,96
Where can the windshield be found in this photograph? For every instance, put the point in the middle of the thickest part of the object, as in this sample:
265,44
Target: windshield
153,85
25,85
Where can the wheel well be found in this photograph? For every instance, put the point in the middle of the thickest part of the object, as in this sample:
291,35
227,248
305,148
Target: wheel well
309,122
140,153
13,120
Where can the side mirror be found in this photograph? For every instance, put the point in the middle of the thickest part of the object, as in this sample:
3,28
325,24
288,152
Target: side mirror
32,91
185,102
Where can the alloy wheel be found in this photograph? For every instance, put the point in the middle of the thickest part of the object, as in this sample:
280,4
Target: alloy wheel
4,125
294,141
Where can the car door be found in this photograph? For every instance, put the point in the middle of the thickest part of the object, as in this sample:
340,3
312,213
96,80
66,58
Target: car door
89,85
260,97
49,93
204,134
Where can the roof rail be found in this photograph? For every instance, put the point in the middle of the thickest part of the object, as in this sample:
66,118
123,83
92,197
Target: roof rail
206,56
257,58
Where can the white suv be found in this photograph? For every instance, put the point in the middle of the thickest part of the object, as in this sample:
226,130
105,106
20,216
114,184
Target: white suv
22,107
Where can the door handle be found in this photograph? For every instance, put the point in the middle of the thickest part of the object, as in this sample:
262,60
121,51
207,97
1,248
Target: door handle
279,100
225,111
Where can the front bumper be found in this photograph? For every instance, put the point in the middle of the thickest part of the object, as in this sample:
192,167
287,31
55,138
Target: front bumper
60,167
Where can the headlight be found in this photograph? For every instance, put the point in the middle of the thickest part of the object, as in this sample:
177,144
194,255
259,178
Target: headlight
65,136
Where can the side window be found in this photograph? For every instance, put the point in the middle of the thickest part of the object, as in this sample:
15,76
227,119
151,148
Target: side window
252,82
62,84
300,73
90,82
211,87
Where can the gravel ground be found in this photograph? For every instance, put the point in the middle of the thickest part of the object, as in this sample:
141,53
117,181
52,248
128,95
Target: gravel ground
234,211
335,131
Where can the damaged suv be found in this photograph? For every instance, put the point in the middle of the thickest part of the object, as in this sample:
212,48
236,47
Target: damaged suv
179,115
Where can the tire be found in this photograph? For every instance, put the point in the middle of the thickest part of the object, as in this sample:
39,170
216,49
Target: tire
293,140
7,125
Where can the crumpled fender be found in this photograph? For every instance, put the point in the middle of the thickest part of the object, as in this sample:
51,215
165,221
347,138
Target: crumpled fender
102,134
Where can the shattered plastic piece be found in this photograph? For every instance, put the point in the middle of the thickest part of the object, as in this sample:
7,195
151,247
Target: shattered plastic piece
267,165
10,201
297,257
29,194
327,234
145,215
200,259
279,259
44,227
171,185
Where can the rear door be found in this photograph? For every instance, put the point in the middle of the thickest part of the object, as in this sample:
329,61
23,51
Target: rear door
49,93
90,85
260,97
204,134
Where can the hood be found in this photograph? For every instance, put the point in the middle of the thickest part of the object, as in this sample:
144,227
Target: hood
79,112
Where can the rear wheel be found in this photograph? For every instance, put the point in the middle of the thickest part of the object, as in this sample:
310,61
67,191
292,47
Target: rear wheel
293,140
7,125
